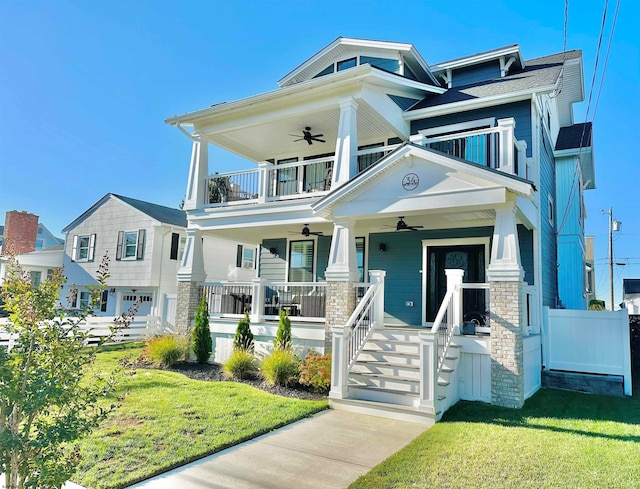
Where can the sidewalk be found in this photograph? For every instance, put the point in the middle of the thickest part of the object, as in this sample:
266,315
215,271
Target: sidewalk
329,450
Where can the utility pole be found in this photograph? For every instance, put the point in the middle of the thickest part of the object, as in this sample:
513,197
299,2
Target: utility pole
613,226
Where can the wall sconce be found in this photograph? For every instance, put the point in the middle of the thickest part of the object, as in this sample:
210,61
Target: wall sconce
273,251
112,290
133,290
383,247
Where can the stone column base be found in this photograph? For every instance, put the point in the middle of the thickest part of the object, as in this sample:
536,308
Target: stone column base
507,348
340,303
189,295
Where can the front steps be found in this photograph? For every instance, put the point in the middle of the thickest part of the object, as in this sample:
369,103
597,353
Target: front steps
385,379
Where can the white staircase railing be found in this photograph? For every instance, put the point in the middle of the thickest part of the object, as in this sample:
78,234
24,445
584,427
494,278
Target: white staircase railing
349,339
450,306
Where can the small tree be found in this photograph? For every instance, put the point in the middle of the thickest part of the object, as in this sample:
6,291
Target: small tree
282,340
596,305
47,402
244,337
201,336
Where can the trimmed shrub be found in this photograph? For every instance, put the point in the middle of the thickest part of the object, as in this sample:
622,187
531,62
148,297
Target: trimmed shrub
166,351
597,305
282,341
244,337
241,365
315,372
201,337
282,367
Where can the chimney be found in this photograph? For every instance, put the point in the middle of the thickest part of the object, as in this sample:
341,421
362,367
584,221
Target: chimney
20,232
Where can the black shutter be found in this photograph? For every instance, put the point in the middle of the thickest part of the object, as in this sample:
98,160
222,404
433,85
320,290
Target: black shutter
140,251
119,248
175,240
103,301
239,257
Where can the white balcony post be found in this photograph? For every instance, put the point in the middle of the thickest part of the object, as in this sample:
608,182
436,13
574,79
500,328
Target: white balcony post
198,173
346,163
377,277
454,282
263,181
506,127
339,363
257,301
428,371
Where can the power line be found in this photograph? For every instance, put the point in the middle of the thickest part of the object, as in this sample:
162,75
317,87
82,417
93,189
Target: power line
606,59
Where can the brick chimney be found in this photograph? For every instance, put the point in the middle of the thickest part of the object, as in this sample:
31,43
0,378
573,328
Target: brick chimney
20,232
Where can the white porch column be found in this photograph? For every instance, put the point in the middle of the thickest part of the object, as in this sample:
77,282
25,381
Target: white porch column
343,264
505,275
190,274
346,164
507,127
198,173
454,280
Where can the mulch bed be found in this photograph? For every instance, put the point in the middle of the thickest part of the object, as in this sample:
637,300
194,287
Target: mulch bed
212,372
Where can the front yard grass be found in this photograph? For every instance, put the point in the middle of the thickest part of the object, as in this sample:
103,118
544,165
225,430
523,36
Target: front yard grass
558,440
165,420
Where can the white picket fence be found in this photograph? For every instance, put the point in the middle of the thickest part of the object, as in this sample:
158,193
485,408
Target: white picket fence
98,327
594,342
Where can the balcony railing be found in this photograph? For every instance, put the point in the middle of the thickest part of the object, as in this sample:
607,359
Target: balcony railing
493,147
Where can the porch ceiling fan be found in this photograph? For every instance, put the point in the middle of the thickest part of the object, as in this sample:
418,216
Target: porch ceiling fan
308,137
306,232
403,226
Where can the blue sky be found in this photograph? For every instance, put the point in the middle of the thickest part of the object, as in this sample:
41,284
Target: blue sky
85,88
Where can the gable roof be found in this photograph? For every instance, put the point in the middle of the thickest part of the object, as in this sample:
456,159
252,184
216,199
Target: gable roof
161,213
493,54
539,73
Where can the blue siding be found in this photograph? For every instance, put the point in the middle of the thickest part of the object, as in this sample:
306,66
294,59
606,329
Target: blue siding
402,261
476,73
520,111
272,267
548,228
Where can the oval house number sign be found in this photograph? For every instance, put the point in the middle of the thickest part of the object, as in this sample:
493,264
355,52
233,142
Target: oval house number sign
410,181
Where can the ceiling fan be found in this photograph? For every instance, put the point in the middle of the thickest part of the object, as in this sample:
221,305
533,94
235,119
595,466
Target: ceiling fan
308,137
306,232
403,226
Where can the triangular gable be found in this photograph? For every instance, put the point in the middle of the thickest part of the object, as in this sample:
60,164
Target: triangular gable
345,48
414,178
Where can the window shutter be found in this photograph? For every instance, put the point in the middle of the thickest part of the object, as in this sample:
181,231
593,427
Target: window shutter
140,252
103,301
239,257
92,247
75,248
119,248
175,240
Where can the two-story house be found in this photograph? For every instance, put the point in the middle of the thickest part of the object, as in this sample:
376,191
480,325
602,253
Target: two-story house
420,215
145,244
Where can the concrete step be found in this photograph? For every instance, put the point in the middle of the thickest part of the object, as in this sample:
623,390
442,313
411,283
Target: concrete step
384,410
392,382
387,368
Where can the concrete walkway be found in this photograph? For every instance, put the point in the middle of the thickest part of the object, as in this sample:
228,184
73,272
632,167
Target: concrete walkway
329,450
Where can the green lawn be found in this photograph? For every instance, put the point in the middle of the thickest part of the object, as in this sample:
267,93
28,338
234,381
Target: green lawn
165,420
558,440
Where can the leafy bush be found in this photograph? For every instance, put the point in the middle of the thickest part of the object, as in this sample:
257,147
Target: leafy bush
244,337
241,365
315,372
282,341
166,351
201,337
596,305
282,367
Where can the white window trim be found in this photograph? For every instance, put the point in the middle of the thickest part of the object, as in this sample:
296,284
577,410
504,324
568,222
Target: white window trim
124,246
551,214
75,251
426,243
313,238
459,127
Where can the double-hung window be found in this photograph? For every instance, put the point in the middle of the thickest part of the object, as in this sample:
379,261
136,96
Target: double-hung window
245,257
130,245
83,247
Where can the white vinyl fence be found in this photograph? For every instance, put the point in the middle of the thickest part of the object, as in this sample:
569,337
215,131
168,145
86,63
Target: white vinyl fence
594,342
140,328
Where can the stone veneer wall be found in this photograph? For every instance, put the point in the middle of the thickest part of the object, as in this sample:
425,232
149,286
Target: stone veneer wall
341,301
507,348
189,295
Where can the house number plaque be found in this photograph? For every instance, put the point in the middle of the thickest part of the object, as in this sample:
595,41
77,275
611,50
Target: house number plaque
410,181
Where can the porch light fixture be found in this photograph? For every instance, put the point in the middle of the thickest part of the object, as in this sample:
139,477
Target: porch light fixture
383,247
273,251
112,290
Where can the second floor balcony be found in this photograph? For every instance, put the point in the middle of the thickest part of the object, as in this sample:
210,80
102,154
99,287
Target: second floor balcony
494,147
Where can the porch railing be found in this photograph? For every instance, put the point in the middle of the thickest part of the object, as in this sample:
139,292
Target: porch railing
265,300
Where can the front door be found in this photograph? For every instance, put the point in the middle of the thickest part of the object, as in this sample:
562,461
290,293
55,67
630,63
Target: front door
471,259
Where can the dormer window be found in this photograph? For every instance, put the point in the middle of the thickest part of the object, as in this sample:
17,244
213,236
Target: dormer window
387,64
